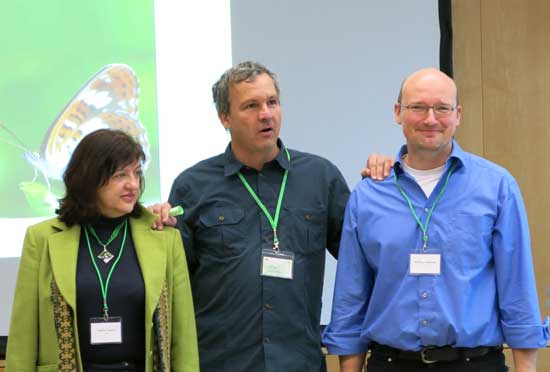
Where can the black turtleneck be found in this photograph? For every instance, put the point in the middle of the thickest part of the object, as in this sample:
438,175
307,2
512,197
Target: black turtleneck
125,296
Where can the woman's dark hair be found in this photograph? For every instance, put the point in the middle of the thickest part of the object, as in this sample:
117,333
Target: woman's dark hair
96,158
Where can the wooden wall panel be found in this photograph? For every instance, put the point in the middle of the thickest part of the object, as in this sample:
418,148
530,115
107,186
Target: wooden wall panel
516,81
507,61
468,73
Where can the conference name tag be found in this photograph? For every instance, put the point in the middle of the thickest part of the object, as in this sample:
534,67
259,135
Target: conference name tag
106,331
425,264
277,264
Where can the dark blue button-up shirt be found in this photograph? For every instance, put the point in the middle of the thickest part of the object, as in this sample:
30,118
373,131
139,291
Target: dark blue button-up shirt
247,322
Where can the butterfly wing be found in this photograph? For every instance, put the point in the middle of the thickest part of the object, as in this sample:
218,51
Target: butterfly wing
120,85
108,100
119,121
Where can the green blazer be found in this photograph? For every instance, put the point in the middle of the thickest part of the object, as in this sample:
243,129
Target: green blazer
43,329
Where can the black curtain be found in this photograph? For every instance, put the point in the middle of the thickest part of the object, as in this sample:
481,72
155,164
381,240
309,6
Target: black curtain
446,40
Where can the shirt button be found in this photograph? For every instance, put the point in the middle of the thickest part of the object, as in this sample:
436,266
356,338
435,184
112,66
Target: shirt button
424,294
268,306
424,322
267,340
221,218
427,210
307,217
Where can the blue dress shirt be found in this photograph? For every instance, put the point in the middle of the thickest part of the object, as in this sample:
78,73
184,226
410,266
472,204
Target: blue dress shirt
485,293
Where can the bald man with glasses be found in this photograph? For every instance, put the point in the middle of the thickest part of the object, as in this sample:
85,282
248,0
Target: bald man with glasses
435,269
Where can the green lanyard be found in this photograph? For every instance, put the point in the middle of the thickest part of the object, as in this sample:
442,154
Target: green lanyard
424,227
105,287
114,234
272,221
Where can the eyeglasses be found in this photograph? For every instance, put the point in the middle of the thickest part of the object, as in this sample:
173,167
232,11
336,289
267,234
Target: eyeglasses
441,110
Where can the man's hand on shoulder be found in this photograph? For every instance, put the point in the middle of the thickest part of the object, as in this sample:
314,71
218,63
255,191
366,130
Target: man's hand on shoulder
162,210
378,167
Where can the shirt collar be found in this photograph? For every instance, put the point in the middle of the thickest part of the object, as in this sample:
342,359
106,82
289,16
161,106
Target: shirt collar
232,165
457,154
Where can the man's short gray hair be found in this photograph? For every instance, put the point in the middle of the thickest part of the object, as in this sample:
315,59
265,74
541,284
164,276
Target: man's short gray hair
244,71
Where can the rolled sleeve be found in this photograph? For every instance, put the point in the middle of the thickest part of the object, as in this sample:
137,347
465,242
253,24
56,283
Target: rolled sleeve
526,336
517,293
343,343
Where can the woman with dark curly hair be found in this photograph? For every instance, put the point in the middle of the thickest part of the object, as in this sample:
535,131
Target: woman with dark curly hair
98,289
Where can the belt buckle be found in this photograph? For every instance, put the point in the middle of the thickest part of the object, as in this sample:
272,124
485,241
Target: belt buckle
423,357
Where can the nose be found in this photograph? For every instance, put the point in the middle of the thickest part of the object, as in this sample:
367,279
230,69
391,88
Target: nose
430,118
133,182
265,112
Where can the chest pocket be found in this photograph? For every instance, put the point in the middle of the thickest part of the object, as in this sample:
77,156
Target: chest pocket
221,232
471,239
309,227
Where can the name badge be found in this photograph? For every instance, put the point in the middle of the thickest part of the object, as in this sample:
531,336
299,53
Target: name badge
425,264
277,265
106,331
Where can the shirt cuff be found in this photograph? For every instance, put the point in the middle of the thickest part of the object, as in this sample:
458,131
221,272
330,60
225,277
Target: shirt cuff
338,343
526,336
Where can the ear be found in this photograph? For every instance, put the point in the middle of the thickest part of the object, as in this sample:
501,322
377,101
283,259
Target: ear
397,113
458,114
226,122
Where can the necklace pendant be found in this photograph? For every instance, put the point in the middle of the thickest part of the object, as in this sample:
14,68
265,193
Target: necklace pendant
105,255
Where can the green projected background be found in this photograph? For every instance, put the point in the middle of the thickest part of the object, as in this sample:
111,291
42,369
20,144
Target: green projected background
49,51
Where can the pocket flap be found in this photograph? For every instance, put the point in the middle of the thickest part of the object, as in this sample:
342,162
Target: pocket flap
221,216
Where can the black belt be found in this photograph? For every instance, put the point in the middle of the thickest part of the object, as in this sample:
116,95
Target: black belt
434,354
120,366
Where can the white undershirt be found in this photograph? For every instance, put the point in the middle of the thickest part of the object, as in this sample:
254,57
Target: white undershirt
426,179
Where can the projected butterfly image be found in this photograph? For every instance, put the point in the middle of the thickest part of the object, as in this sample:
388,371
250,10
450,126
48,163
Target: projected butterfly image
108,100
